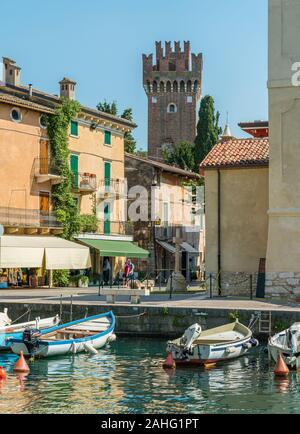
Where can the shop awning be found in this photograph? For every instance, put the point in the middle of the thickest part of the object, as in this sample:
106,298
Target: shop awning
167,246
34,252
172,249
190,249
114,248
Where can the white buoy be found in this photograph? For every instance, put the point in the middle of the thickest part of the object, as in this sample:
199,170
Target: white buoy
89,348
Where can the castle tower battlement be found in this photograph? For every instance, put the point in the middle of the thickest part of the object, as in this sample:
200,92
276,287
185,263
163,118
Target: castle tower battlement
173,86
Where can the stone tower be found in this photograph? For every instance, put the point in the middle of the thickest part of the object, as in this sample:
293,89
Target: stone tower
283,254
173,87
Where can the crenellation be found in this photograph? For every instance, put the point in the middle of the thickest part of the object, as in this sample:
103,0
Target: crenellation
171,81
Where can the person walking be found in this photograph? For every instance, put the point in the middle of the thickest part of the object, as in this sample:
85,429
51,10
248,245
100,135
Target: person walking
106,271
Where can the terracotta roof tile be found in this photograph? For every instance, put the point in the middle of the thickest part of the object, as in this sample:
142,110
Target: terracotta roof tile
238,153
20,102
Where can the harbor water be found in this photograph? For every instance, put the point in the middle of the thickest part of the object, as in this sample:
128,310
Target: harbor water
127,377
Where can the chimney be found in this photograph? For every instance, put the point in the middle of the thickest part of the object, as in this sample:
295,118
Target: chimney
30,91
67,88
12,72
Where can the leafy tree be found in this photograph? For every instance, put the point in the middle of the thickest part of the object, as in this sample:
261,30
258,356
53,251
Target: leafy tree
106,107
129,140
182,155
208,129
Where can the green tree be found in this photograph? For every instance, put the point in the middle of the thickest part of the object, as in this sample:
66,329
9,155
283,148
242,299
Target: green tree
129,140
106,107
208,129
182,155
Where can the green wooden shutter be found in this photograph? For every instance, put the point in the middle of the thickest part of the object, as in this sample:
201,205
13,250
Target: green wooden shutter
74,128
107,219
107,138
107,175
74,168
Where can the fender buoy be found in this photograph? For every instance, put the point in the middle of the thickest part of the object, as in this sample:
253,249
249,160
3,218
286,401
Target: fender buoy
281,369
169,363
2,373
21,364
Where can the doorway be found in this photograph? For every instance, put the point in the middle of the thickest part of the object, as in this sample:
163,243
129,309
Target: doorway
44,208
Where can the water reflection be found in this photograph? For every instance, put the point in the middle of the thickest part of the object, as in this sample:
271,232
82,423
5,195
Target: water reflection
128,378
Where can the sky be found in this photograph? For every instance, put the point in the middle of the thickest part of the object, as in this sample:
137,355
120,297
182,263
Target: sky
100,43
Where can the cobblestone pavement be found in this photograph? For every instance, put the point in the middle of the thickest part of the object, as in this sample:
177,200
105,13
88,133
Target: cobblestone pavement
89,296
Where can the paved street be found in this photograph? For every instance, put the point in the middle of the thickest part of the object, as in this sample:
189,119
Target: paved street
90,296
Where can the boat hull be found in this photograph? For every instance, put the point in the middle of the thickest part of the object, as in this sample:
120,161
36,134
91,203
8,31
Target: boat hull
219,344
211,354
277,345
44,346
53,349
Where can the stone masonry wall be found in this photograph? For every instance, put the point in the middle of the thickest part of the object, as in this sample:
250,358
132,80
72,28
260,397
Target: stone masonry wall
233,284
283,285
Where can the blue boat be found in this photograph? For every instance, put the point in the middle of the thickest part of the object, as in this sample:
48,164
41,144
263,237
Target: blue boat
88,334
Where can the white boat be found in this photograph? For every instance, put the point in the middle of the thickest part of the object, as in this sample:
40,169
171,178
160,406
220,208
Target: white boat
211,346
286,343
88,334
9,330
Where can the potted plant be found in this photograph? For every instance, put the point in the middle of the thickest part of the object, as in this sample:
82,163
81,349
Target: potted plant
83,282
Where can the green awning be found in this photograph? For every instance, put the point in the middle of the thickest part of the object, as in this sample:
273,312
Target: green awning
113,248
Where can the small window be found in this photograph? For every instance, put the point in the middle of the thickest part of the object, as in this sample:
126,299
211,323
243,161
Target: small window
107,138
16,115
74,128
189,99
154,100
43,121
172,108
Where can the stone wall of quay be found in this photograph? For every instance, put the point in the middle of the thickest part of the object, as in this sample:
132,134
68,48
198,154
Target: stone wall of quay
149,321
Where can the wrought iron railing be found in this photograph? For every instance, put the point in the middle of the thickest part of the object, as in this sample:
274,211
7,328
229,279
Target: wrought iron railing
85,181
28,218
113,186
46,166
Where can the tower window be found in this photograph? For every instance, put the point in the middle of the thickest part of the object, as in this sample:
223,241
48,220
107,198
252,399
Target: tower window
154,100
172,108
189,99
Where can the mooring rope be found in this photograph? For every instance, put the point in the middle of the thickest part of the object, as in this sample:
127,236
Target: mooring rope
131,316
28,311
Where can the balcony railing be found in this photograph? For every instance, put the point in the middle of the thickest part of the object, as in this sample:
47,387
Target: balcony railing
84,183
113,187
31,218
46,169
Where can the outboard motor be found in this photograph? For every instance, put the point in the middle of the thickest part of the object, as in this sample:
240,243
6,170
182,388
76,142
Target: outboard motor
294,337
190,335
31,340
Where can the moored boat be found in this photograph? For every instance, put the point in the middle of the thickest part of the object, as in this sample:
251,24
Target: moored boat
9,330
211,346
286,343
88,334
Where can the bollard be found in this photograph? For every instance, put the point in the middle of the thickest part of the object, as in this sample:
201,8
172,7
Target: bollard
251,287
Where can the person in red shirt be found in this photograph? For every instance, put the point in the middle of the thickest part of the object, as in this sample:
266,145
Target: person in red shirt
126,273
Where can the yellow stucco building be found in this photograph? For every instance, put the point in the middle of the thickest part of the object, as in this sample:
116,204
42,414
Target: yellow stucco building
96,144
236,205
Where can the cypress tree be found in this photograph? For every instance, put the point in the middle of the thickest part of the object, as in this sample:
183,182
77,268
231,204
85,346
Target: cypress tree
208,129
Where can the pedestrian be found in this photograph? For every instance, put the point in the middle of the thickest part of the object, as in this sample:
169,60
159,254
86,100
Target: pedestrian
106,271
126,273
